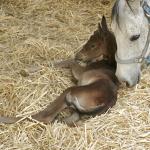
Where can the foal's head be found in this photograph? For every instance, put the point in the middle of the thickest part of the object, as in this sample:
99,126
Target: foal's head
101,43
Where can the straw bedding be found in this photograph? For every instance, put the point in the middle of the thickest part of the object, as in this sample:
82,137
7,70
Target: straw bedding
34,33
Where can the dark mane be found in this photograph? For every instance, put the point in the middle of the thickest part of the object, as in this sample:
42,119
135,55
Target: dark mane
95,35
115,11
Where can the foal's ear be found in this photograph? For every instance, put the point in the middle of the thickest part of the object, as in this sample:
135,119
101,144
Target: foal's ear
101,32
104,24
100,28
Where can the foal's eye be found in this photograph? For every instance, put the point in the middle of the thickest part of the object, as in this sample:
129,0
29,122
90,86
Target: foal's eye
93,46
134,37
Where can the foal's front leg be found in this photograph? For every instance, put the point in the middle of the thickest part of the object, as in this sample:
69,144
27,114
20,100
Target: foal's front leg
76,68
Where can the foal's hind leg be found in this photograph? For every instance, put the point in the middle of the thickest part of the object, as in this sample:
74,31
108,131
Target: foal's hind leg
87,99
82,98
96,97
50,112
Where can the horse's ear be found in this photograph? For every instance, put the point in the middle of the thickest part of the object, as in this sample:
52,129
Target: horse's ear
104,24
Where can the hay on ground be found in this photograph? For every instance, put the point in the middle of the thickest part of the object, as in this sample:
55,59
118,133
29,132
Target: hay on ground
33,33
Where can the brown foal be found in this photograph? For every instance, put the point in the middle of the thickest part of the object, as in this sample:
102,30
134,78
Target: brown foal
97,86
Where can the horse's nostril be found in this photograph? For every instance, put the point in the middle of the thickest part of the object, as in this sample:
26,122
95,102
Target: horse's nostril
136,81
127,84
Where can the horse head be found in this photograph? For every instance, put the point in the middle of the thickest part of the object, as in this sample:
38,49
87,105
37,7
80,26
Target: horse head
130,26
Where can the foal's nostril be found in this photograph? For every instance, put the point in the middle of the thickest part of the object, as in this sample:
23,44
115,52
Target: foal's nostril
81,57
78,59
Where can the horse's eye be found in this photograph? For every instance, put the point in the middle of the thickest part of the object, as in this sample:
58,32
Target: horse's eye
134,37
